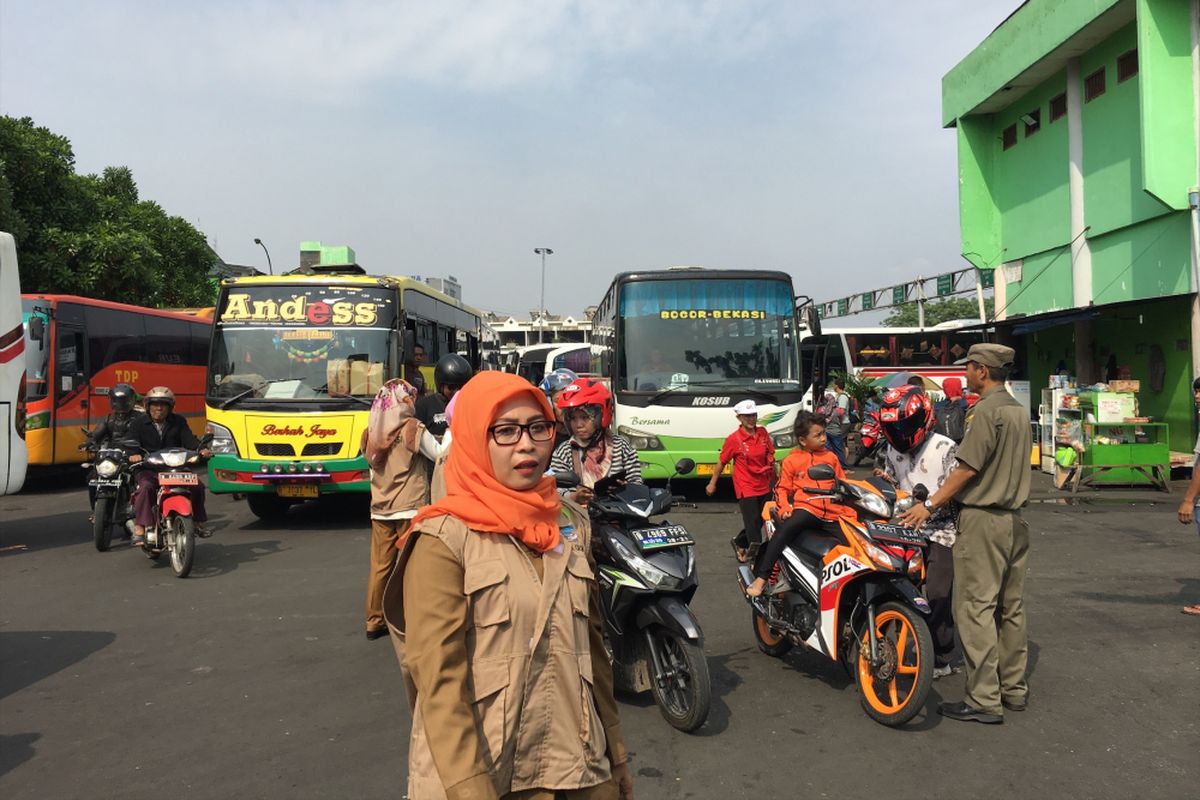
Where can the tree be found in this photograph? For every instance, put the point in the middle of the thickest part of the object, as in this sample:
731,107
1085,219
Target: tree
938,311
92,234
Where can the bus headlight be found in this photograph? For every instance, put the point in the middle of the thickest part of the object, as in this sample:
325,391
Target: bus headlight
222,441
783,441
639,440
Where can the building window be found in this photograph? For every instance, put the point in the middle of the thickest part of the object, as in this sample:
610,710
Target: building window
1033,122
1127,65
1009,136
1093,85
1058,107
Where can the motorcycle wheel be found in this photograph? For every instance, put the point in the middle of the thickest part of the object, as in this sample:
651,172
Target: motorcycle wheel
101,529
685,700
895,691
183,545
770,641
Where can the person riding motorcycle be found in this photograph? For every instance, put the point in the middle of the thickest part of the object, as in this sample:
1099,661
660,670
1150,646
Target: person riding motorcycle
593,452
115,426
552,386
160,428
450,374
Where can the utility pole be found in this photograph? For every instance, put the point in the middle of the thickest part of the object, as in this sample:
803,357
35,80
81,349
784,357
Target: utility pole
259,242
543,252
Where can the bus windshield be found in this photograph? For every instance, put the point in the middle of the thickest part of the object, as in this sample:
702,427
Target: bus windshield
694,335
317,342
36,316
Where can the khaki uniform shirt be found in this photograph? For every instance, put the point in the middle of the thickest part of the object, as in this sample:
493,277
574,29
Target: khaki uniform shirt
514,690
996,445
402,482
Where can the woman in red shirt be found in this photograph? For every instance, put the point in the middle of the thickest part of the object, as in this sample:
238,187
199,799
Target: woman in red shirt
800,511
753,455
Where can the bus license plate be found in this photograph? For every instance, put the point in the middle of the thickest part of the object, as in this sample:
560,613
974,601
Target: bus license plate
709,469
178,479
658,538
303,490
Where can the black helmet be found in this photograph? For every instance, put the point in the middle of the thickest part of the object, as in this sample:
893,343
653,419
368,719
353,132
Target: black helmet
121,398
452,370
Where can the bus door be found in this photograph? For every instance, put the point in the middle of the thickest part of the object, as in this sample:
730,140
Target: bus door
70,410
814,351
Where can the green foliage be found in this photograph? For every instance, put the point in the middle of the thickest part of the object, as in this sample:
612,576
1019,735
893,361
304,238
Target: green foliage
91,234
857,386
938,311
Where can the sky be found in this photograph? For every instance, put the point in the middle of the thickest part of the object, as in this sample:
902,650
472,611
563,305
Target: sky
452,138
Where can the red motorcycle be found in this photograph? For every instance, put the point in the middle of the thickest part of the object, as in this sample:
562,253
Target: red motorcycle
174,529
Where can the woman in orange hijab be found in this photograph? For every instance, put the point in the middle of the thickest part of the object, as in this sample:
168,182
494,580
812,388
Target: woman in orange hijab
501,620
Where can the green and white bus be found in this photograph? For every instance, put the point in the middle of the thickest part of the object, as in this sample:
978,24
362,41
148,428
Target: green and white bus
682,346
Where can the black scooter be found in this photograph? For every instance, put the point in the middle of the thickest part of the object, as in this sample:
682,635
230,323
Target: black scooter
646,572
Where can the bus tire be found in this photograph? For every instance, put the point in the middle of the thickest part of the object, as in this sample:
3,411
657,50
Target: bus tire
267,507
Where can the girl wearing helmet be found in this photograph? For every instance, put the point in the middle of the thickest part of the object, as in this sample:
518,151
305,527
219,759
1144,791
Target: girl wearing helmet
553,385
593,451
916,454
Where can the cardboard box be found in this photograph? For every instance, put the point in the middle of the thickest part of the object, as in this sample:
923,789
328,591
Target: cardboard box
365,378
337,376
1125,386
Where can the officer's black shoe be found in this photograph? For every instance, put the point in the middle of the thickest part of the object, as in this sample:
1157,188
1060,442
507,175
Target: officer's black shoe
1015,703
376,633
966,713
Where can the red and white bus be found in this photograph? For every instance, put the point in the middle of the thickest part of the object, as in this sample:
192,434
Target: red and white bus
881,351
77,349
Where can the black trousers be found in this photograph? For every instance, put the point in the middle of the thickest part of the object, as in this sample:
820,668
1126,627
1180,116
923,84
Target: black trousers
939,586
752,521
788,532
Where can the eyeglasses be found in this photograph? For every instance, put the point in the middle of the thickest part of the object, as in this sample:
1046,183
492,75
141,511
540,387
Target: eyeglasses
509,433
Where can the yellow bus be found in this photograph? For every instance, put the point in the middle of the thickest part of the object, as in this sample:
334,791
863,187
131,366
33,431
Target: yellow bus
294,363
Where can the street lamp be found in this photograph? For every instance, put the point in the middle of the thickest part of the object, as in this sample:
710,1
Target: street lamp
543,252
259,242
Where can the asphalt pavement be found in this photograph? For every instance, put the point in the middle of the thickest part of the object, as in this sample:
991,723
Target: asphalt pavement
252,678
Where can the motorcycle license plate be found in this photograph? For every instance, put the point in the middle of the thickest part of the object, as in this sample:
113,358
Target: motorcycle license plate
896,533
665,536
178,479
301,490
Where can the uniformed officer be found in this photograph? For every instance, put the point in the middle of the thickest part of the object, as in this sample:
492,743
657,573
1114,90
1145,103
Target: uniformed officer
991,483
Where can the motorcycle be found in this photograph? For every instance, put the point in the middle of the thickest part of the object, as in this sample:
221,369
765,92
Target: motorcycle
867,443
646,573
174,529
110,485
855,596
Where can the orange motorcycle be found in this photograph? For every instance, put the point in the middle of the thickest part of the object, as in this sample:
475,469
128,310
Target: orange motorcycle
855,596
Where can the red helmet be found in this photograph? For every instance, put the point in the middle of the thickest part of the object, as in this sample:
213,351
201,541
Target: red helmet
588,392
906,417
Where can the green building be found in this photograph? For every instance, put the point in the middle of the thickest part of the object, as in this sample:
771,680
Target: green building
1077,158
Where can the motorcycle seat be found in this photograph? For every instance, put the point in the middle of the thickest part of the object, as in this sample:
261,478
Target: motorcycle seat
814,545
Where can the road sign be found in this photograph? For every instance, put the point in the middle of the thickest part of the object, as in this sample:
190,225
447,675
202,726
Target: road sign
899,295
987,278
945,285
868,301
843,306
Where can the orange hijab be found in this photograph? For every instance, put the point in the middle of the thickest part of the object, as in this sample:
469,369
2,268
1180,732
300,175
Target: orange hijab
473,494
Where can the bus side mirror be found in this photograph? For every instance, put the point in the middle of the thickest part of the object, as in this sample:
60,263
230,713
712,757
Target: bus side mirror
37,329
408,346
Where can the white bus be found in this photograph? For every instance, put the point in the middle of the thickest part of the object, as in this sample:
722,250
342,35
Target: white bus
682,346
12,372
881,351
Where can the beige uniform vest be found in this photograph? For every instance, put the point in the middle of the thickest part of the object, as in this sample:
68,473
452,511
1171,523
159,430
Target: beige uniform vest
530,663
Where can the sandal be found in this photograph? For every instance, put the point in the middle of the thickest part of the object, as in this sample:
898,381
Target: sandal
1193,610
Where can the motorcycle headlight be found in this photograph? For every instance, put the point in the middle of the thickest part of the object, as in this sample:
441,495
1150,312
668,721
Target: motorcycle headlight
904,504
873,503
175,458
881,557
106,469
916,565
783,441
654,577
222,441
639,440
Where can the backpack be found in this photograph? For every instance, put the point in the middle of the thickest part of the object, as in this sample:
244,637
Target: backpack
829,408
950,419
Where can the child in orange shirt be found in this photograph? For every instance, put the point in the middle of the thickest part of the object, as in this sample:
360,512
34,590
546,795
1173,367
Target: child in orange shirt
800,511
